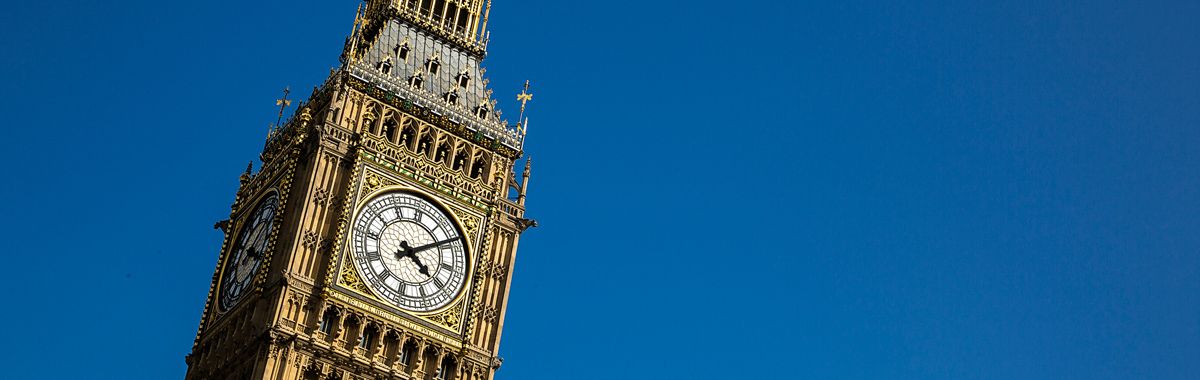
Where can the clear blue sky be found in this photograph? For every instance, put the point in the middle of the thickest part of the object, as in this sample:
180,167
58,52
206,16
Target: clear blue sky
753,189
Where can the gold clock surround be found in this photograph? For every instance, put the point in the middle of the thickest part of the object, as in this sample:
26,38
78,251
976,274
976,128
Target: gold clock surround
376,181
308,313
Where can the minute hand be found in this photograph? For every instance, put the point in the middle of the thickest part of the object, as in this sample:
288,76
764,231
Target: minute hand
431,245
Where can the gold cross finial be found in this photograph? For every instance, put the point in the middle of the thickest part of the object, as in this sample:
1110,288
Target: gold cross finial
524,96
283,103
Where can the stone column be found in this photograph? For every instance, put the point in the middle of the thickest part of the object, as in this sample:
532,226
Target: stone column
418,369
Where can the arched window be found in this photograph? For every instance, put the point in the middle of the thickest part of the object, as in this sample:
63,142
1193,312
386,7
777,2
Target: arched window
479,165
389,129
442,152
326,323
438,7
405,354
416,80
425,144
452,97
385,66
402,50
364,340
447,367
406,137
464,79
482,111
460,160
433,66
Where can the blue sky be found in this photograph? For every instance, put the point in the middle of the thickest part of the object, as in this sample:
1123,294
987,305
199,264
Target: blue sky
756,189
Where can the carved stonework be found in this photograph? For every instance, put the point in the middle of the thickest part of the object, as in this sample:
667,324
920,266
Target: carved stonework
490,314
434,169
351,280
482,261
375,182
320,196
359,134
449,318
497,270
310,239
470,222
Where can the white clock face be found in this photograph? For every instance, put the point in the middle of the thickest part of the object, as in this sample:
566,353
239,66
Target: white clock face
248,251
409,251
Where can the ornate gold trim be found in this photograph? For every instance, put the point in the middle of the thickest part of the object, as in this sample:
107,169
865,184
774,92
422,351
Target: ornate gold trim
427,182
403,321
424,114
343,220
478,278
352,281
451,318
270,178
379,188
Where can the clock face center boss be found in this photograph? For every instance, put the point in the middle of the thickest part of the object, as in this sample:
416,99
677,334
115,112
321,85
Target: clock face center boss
410,251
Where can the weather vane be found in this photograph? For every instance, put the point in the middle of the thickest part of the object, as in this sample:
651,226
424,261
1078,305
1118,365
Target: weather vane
524,96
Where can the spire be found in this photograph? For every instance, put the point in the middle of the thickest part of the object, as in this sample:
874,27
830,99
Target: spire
524,182
246,177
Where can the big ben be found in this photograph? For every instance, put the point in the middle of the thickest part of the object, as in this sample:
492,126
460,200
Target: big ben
378,238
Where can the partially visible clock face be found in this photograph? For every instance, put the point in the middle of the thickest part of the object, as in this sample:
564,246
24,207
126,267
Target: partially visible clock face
248,251
409,251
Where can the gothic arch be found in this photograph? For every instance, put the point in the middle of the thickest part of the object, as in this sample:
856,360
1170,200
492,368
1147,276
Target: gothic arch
408,134
481,165
462,157
444,151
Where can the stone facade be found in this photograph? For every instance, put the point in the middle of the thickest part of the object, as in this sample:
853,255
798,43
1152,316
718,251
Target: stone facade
306,311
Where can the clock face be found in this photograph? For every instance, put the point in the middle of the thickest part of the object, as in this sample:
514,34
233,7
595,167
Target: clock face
248,251
409,251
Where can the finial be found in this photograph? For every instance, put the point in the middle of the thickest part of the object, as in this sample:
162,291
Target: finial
483,32
246,177
305,115
524,182
524,96
283,103
360,20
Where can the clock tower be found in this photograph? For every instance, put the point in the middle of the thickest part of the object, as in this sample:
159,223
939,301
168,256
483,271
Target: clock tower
377,240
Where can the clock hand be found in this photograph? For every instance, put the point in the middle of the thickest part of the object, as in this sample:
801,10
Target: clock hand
420,267
410,253
431,245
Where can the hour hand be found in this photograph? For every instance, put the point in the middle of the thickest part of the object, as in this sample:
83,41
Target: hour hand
416,260
409,252
420,267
